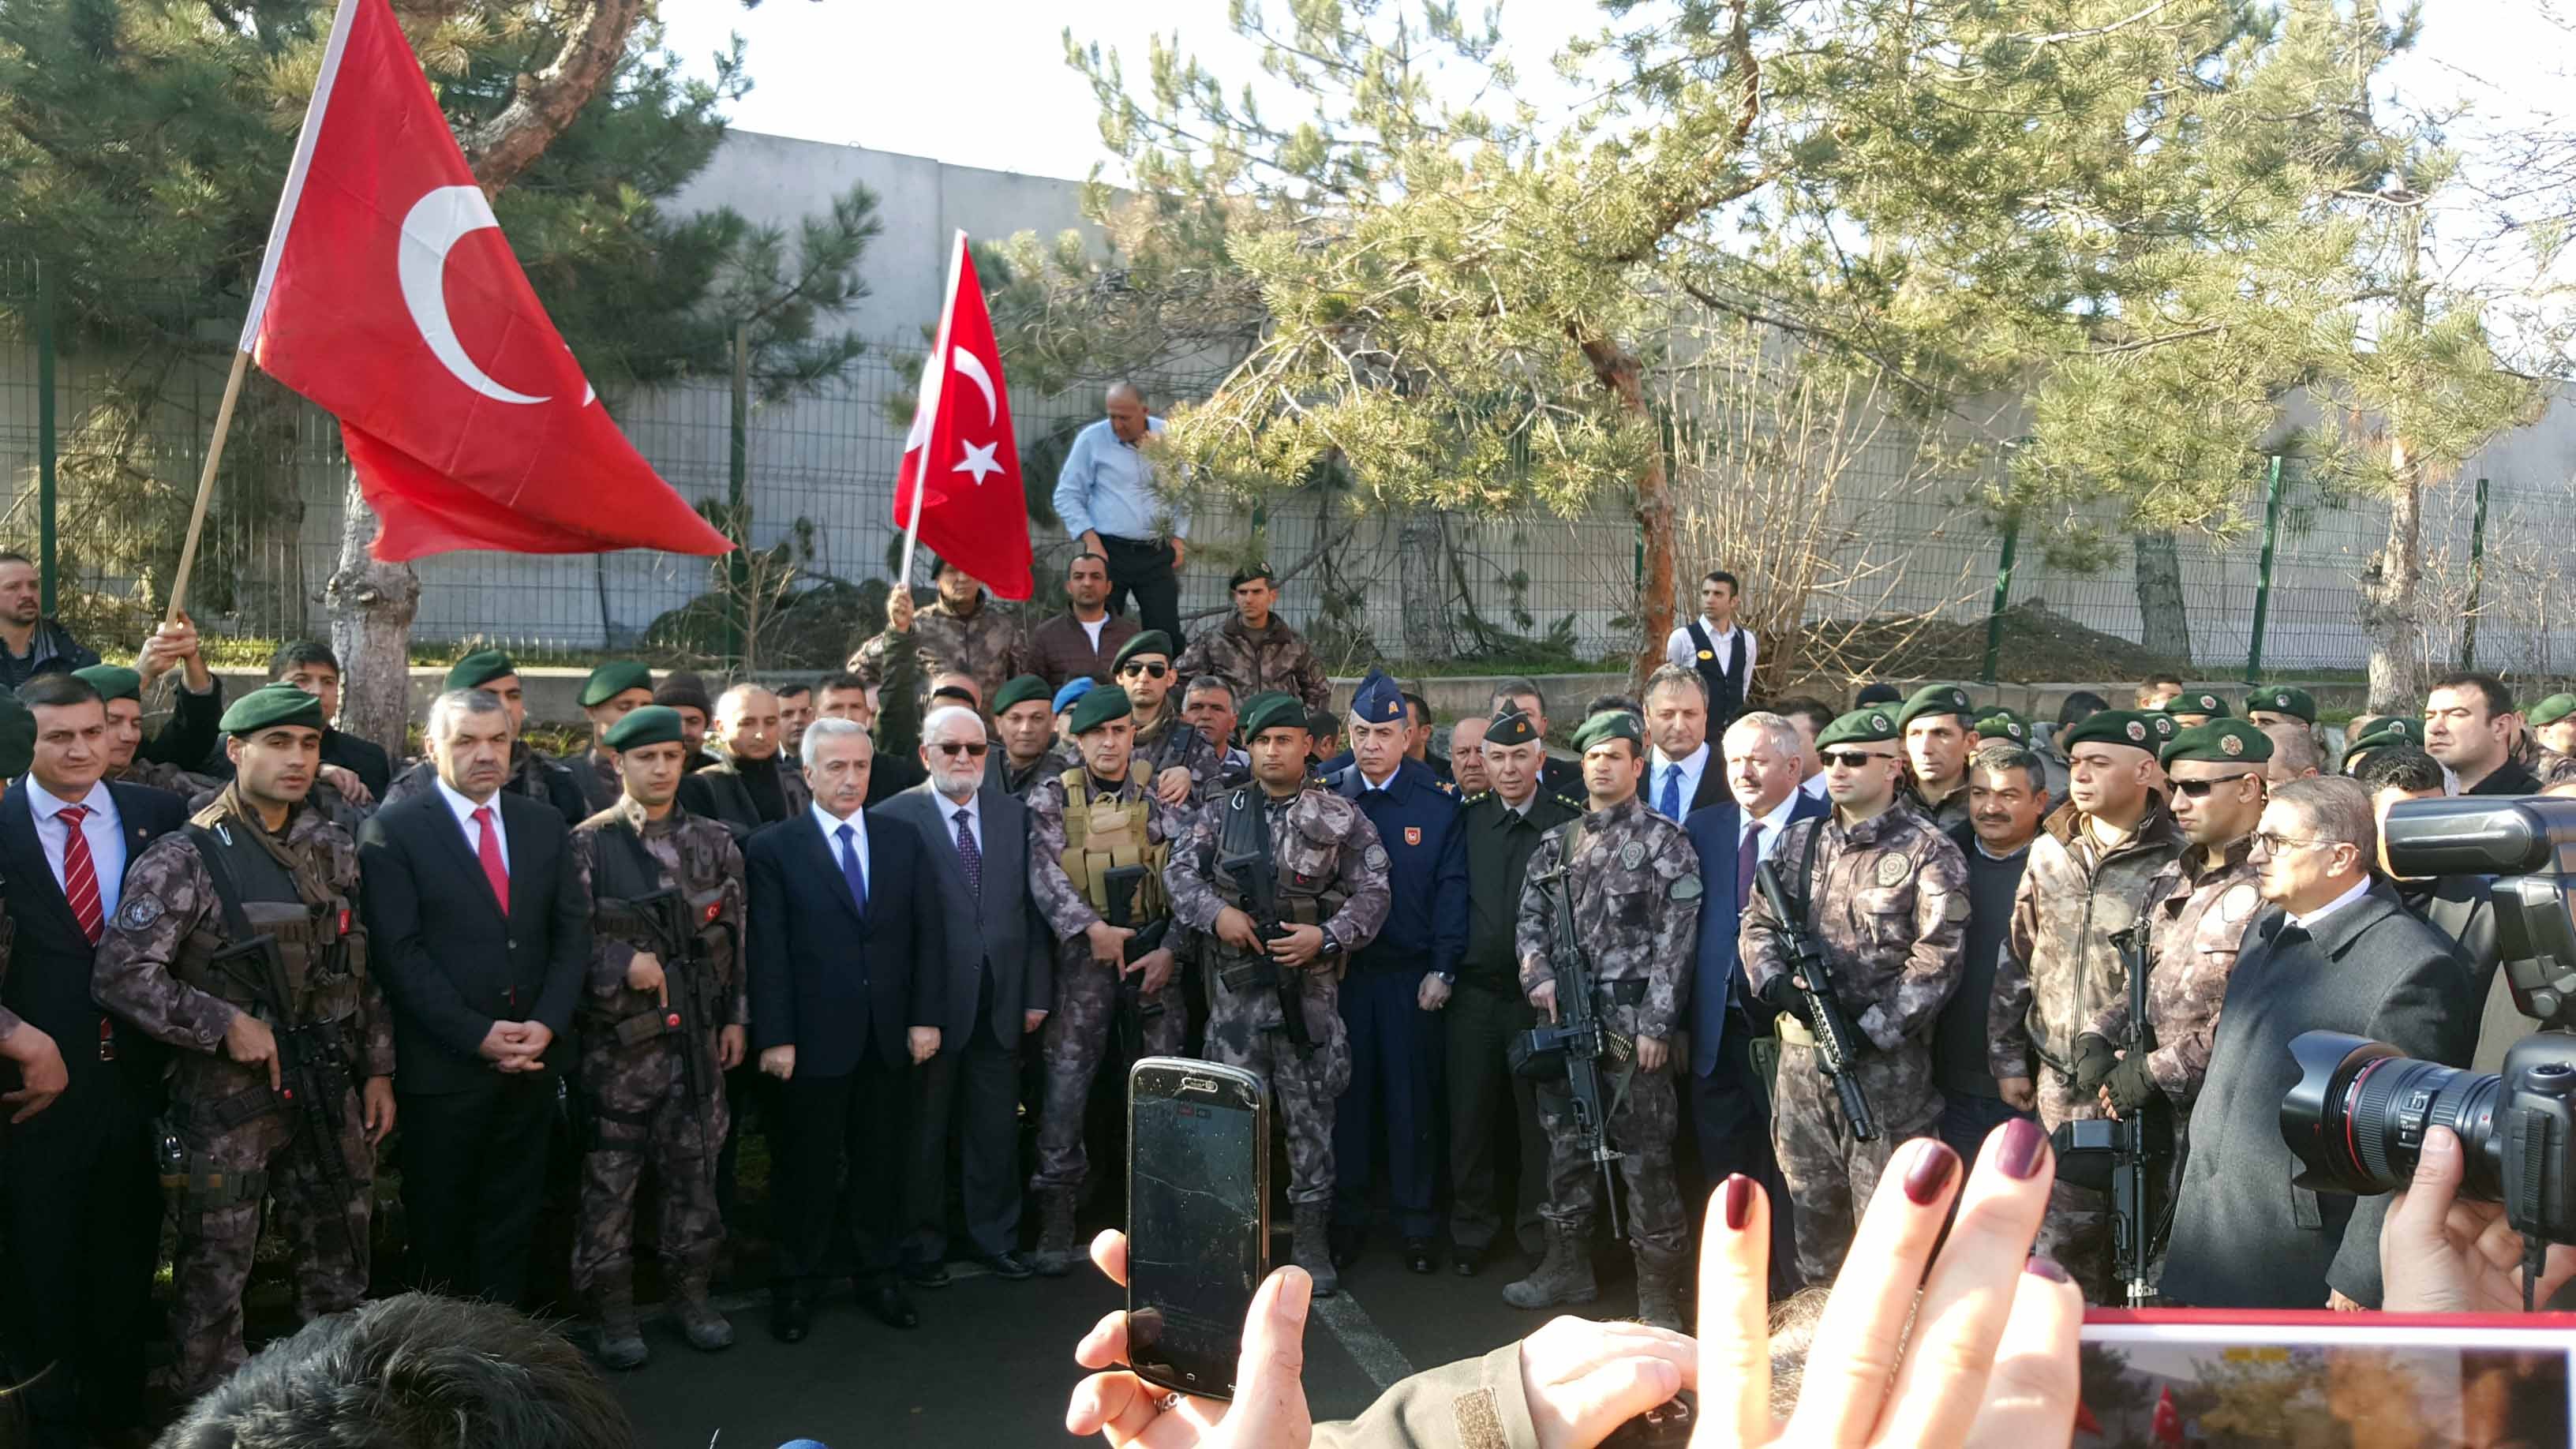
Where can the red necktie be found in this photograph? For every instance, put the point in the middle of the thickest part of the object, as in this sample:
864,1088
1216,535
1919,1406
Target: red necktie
488,846
80,874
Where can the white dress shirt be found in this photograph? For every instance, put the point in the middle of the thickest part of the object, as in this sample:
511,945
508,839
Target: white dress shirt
1679,650
2308,922
831,824
1814,785
1774,825
1691,766
103,828
465,821
973,805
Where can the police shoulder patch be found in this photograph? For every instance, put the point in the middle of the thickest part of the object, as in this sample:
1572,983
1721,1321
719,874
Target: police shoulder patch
1374,858
2239,902
1632,855
1684,888
1892,869
1955,909
138,912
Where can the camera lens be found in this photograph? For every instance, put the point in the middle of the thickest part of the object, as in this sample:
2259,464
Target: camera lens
2360,1110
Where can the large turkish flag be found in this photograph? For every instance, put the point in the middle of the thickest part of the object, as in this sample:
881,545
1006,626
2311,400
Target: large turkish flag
389,297
960,460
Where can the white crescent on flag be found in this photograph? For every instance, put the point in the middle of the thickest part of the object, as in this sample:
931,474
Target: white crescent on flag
430,230
973,369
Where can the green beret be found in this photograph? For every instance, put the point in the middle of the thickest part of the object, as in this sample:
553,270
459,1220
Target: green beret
651,724
1610,724
1872,726
1099,707
610,680
2551,710
1935,699
271,704
17,736
1247,574
2004,724
2198,702
112,681
1272,711
2303,705
1511,727
1152,641
2394,730
1020,689
2111,727
2220,742
479,668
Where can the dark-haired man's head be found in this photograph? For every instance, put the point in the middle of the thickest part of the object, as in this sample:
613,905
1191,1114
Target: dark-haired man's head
2394,774
1717,597
309,665
2079,706
1086,584
845,696
21,596
2470,725
1810,715
2156,690
71,734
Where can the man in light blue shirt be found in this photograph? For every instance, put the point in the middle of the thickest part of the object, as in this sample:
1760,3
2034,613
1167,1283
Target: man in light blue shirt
1108,498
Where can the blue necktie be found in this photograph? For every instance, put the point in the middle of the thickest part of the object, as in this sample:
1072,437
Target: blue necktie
853,872
1669,805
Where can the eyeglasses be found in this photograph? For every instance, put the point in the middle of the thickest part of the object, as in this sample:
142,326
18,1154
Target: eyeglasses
1150,671
2199,789
2272,842
954,748
1854,759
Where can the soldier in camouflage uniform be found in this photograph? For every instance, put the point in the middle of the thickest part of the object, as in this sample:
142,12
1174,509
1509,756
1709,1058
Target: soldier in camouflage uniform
613,691
1632,881
2093,871
1179,763
1024,726
1886,902
531,773
2553,727
1939,728
965,631
122,691
1327,874
1084,823
259,864
1256,650
663,1016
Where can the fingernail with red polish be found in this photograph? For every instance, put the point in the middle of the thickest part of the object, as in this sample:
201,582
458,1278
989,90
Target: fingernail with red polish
2024,1144
2047,1268
1934,1164
1739,1201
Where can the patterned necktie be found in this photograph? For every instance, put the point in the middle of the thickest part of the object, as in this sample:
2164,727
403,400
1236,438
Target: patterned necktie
487,845
852,871
80,874
1747,857
970,855
1669,804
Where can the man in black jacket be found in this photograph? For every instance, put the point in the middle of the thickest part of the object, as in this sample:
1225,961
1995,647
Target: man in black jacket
80,1213
2470,724
30,643
2331,951
479,934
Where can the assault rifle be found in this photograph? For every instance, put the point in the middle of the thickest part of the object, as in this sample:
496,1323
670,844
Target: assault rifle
313,1068
2127,1157
1579,1037
1836,1038
666,920
1260,885
1125,883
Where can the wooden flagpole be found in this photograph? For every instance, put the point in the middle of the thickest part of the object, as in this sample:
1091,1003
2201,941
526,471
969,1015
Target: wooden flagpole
932,376
206,483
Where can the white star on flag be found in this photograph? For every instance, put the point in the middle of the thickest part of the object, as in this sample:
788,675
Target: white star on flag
978,461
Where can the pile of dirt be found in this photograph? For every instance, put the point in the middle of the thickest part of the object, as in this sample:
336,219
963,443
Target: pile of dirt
2038,643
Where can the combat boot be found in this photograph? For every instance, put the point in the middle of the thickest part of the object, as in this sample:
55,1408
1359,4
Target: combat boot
1659,1289
1312,1248
1056,1253
1564,1276
621,1334
707,1329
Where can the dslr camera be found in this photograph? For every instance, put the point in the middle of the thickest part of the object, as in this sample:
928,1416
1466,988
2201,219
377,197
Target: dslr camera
2358,1115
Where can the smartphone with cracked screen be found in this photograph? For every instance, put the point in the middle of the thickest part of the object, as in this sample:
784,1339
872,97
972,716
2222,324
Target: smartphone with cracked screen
1198,1219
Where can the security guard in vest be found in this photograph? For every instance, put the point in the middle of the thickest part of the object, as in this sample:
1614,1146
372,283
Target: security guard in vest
238,941
1098,840
1398,985
664,1015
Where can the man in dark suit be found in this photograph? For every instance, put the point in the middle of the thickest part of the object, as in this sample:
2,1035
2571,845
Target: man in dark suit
1001,982
1686,776
849,984
479,932
80,1212
1730,1095
2333,950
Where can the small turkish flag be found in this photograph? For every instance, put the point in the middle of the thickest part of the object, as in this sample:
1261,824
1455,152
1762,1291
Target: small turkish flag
2168,1422
960,460
388,296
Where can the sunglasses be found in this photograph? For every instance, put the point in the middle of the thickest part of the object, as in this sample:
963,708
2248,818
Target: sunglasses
1854,759
952,748
1150,671
2199,789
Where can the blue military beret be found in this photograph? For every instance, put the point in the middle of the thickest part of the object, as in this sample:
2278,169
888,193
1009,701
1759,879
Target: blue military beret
1377,700
1074,689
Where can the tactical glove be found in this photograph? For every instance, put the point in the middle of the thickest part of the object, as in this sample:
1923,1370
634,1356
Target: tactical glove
2094,1059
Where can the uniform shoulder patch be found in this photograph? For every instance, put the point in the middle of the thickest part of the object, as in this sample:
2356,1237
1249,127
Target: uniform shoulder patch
138,912
1374,858
1893,869
2239,902
1684,888
1955,909
1632,855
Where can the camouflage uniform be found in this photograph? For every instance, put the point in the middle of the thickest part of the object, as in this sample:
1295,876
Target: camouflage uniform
1889,911
237,1141
596,773
186,784
2058,970
1948,814
647,1102
2554,768
1173,741
1332,872
987,644
1276,658
1634,882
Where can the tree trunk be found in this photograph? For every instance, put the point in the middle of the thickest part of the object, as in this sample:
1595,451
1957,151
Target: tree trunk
2165,623
2390,592
1420,553
372,605
1621,372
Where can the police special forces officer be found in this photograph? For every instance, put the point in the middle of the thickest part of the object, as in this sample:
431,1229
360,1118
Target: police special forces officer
1097,832
237,941
1285,881
665,1006
1632,882
1885,894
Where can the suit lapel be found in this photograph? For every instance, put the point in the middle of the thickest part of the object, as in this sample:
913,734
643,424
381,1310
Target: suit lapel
523,850
18,829
931,809
451,835
821,858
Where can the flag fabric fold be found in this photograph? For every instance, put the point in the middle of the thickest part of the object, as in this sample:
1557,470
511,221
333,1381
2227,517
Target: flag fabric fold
961,461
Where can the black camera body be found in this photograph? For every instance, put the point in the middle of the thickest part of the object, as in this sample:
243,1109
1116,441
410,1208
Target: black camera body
2358,1115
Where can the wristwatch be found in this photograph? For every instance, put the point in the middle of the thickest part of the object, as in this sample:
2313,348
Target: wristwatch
1447,978
1332,943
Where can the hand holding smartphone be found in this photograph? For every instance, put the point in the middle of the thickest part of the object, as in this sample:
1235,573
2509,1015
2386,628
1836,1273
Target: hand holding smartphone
1198,1219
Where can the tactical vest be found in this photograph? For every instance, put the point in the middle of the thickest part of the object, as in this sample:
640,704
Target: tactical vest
222,956
629,903
1302,902
1103,833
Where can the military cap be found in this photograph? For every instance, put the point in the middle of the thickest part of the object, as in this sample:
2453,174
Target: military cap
1152,641
651,724
1377,700
613,679
1873,725
2220,742
2199,702
1099,707
1511,727
2395,730
2112,727
2303,705
1247,574
1019,689
1073,690
2548,712
1275,710
1877,694
685,691
2004,724
271,704
1935,699
1610,724
112,681
17,736
479,668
